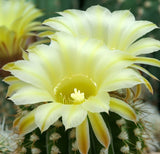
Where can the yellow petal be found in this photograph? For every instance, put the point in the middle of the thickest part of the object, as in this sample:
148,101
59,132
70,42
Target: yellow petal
101,21
82,137
15,85
113,60
128,94
47,114
27,94
123,109
148,85
98,10
145,81
126,78
27,123
59,24
138,91
98,103
73,115
29,71
148,61
144,46
131,95
10,79
46,33
13,88
94,17
123,18
135,31
16,121
144,70
24,54
24,91
100,129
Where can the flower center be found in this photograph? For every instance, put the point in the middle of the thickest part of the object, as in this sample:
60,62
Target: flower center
75,89
77,96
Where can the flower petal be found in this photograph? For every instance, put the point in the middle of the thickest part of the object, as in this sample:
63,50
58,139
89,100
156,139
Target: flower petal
42,69
95,19
101,21
123,109
10,79
49,58
113,60
100,129
73,115
144,46
24,91
30,72
138,91
148,85
124,18
14,83
26,124
47,114
98,103
134,31
60,24
126,78
145,71
148,61
82,137
129,94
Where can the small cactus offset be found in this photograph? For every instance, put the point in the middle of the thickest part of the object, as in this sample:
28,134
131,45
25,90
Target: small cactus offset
81,93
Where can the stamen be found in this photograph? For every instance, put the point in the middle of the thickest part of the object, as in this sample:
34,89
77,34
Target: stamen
77,96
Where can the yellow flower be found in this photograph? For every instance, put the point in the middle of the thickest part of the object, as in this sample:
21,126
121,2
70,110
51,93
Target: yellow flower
16,26
118,30
74,77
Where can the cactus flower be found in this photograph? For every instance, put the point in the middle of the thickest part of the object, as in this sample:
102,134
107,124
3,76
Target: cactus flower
118,30
16,26
74,77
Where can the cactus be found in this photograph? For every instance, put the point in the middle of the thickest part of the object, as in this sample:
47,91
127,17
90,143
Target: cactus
125,136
